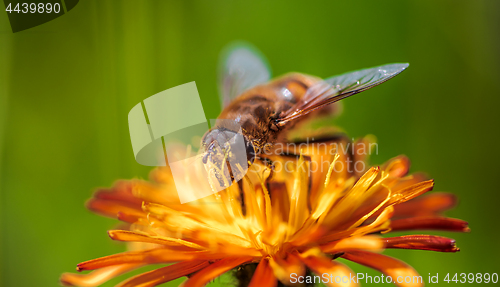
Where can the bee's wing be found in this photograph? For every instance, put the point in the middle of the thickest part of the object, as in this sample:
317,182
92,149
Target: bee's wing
241,68
340,87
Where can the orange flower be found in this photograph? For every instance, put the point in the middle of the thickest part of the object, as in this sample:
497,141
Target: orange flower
289,222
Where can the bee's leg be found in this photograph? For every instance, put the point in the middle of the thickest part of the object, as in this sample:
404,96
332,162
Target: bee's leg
268,162
242,198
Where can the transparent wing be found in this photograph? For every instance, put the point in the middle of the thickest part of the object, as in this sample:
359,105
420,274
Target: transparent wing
242,67
340,87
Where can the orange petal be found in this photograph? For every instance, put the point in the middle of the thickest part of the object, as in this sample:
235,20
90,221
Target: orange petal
366,180
202,277
124,235
361,152
121,192
128,217
408,180
161,174
430,223
111,208
338,273
283,269
397,167
144,256
146,191
412,191
379,224
280,201
370,242
396,269
422,242
97,277
263,276
431,204
165,274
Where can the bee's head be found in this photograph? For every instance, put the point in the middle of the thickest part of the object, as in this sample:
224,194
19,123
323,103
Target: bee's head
231,146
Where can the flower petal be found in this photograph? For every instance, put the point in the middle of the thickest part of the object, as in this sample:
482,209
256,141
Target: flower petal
98,277
380,223
430,204
111,208
340,216
324,265
263,276
165,274
396,269
422,242
154,193
299,200
283,269
195,225
120,192
159,255
397,167
124,235
214,270
412,191
369,242
430,223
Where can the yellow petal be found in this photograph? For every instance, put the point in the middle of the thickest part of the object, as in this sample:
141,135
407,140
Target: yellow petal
299,209
370,242
123,235
381,223
412,191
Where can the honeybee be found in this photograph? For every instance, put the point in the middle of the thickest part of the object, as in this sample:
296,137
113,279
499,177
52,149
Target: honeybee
264,111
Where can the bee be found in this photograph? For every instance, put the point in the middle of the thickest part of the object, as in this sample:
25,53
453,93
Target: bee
258,113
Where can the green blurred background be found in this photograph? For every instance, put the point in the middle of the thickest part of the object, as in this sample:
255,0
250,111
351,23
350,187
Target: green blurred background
67,86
